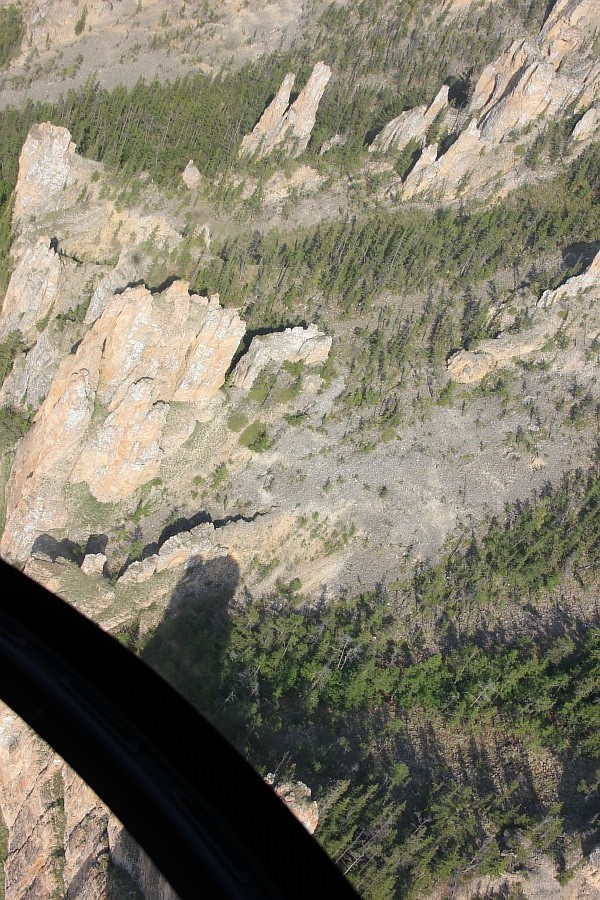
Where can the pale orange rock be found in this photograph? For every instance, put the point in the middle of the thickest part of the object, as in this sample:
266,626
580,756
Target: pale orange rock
569,23
108,418
521,104
260,140
288,129
588,125
297,797
444,175
496,76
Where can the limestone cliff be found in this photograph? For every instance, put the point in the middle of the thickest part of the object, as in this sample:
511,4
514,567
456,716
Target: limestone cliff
288,128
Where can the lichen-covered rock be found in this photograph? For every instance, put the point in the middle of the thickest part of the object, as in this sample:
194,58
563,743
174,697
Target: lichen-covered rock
410,125
288,129
45,169
308,345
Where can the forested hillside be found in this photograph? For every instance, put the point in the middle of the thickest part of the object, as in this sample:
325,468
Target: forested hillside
369,698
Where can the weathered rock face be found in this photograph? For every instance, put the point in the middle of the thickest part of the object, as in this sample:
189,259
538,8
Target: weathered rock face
410,125
444,176
308,345
570,22
33,290
175,552
496,77
261,140
45,169
469,367
63,841
140,379
521,104
528,82
288,129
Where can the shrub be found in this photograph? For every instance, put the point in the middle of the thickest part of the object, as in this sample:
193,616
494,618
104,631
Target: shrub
255,437
80,23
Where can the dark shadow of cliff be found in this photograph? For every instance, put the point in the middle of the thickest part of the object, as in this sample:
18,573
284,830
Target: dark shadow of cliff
55,549
188,647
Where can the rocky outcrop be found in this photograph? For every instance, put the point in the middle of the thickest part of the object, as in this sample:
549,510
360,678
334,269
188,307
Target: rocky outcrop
426,159
552,309
410,125
297,797
261,140
288,129
45,169
191,176
568,25
174,553
496,76
33,372
33,290
527,84
588,125
445,176
522,103
308,345
142,376
94,564
303,180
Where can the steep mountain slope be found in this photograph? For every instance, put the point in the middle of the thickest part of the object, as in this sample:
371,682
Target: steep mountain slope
272,397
